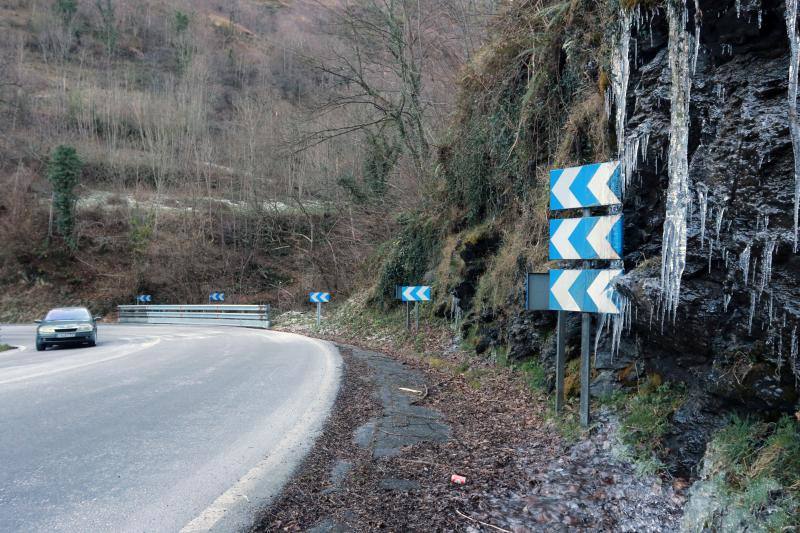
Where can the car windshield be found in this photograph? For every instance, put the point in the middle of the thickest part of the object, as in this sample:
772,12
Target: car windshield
68,314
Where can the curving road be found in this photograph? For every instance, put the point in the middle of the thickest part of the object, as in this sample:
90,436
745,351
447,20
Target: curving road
158,428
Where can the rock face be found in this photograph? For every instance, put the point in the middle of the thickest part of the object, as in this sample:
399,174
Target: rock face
731,339
731,342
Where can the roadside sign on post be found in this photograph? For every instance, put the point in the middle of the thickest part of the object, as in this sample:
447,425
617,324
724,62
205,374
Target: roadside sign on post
144,298
587,238
585,186
416,294
585,291
319,298
216,297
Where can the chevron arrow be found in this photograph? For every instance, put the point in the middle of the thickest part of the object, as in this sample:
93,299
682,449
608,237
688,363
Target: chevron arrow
587,291
319,297
419,293
585,186
586,238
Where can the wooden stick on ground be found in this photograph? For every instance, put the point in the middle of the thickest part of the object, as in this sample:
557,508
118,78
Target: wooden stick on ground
482,523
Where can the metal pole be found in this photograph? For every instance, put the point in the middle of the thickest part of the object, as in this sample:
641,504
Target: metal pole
416,309
585,370
586,327
319,313
408,316
561,337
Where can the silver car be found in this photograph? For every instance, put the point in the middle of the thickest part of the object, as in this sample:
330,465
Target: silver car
66,326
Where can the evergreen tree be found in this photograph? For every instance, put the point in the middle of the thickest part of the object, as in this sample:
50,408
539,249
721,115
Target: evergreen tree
63,172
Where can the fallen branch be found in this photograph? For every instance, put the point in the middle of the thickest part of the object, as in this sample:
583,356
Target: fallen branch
482,523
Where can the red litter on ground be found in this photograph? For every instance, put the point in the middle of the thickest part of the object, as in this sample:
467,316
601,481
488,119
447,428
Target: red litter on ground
458,480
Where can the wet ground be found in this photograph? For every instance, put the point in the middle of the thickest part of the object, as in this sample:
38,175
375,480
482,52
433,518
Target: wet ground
400,429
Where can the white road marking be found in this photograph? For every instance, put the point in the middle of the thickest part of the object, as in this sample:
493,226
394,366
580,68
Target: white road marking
50,370
294,444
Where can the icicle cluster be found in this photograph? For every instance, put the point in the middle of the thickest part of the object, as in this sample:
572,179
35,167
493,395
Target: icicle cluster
794,125
620,74
619,324
673,255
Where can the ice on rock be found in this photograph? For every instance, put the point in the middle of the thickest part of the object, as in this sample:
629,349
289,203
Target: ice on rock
673,254
794,124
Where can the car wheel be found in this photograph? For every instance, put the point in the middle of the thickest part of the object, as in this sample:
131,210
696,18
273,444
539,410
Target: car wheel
93,342
40,347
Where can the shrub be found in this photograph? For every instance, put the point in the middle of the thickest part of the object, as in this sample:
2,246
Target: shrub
410,257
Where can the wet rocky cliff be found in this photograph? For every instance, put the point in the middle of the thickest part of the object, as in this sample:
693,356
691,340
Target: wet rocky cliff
731,336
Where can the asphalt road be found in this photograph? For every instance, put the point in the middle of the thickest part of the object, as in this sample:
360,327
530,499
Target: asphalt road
158,428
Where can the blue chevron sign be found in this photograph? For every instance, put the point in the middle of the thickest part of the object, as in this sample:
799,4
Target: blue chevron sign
415,294
586,238
586,186
587,291
319,297
144,298
217,297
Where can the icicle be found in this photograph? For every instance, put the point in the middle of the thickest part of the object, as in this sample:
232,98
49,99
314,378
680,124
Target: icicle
673,259
755,267
744,263
718,224
769,313
726,300
793,356
601,323
702,201
697,23
620,74
794,124
752,311
766,265
738,8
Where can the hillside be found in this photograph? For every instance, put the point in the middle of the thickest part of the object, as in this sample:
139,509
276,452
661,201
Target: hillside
212,149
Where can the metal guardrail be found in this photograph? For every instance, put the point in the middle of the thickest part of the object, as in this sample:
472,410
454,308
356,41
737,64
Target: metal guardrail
253,316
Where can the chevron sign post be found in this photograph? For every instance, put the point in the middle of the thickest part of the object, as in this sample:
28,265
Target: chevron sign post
586,186
416,294
216,297
319,298
586,238
144,298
